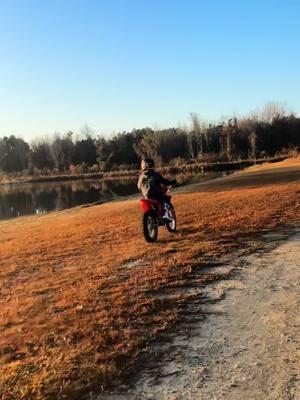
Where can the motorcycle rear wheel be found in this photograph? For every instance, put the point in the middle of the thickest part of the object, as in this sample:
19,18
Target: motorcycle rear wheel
149,226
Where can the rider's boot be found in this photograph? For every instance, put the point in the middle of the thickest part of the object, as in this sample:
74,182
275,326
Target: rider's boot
166,217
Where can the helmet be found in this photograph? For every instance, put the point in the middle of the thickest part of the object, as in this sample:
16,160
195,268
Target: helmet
147,164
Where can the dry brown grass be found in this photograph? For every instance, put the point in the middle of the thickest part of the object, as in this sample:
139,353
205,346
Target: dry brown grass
75,315
289,162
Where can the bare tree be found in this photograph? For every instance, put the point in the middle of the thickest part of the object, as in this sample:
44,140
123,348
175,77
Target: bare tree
197,137
271,111
226,140
61,149
149,145
252,141
87,132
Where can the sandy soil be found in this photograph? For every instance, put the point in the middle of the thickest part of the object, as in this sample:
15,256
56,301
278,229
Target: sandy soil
248,347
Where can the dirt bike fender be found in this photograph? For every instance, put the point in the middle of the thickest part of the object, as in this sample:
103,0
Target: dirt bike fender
146,205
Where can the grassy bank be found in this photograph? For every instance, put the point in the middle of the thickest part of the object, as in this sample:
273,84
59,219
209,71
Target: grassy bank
185,168
78,288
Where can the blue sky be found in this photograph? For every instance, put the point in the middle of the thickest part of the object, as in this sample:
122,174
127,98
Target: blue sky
119,65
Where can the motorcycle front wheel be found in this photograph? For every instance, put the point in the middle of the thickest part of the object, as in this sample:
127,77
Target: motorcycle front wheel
150,226
171,226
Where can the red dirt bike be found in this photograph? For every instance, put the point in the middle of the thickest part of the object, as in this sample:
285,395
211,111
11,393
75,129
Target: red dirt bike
153,212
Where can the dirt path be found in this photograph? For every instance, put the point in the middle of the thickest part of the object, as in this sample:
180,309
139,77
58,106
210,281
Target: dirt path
248,347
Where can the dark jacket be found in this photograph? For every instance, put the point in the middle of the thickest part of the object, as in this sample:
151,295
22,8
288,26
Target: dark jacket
150,182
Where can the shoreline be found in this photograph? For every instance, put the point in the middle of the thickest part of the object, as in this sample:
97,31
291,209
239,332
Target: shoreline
182,188
130,174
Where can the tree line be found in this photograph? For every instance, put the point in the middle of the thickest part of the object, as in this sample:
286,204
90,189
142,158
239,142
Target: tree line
265,134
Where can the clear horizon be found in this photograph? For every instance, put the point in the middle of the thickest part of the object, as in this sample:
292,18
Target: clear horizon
126,65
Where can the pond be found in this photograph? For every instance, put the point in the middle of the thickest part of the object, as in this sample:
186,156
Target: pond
19,199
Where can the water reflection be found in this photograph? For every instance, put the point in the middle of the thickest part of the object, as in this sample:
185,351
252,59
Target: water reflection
39,198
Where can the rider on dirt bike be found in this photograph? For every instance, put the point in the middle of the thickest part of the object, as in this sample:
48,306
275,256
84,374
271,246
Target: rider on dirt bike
150,182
